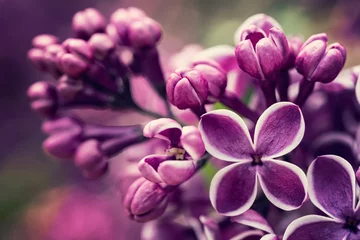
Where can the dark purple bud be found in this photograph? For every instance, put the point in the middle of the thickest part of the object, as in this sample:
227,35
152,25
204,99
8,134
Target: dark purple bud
79,47
90,158
62,124
319,63
44,40
261,56
145,200
102,45
187,88
260,20
72,65
215,77
86,23
44,99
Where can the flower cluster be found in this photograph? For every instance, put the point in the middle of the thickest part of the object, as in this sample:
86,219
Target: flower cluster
256,152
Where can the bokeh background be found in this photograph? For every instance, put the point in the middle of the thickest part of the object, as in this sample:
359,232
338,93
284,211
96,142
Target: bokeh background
28,178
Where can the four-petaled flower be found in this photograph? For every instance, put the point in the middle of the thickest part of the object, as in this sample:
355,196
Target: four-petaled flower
177,165
332,188
278,131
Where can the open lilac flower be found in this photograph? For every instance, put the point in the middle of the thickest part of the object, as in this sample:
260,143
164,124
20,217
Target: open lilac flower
278,131
332,188
177,165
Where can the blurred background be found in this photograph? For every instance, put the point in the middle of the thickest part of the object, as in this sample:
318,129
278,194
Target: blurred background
27,175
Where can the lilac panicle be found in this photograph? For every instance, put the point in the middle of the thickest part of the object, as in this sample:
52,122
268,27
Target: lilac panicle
145,200
187,88
178,164
278,131
332,189
318,62
259,55
88,22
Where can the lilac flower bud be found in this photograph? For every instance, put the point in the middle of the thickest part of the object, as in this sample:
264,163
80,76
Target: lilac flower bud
86,23
36,56
319,63
215,77
80,48
71,64
260,20
261,56
43,97
102,44
145,200
50,59
131,27
187,88
91,159
44,40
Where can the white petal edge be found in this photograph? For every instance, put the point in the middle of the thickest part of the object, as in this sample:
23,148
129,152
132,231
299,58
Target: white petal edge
214,186
208,146
275,200
270,236
158,126
311,190
305,221
248,233
263,117
264,227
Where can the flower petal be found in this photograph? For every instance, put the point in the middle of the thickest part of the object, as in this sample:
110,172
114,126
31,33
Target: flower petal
247,59
253,219
269,56
270,237
148,167
192,142
163,128
174,172
249,235
315,227
283,183
225,135
332,186
279,130
233,189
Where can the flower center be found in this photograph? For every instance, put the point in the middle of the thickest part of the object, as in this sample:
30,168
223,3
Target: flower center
256,160
351,224
177,152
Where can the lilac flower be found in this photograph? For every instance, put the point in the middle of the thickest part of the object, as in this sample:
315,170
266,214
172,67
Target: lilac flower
332,188
278,131
178,164
88,22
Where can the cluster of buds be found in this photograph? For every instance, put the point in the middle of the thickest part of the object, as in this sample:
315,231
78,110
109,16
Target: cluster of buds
278,84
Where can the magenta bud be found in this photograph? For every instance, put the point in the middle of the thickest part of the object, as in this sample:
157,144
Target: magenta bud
50,58
144,33
215,77
44,40
102,45
86,23
295,44
145,200
187,88
90,159
319,63
43,97
63,145
36,56
71,64
261,56
260,20
61,124
79,47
